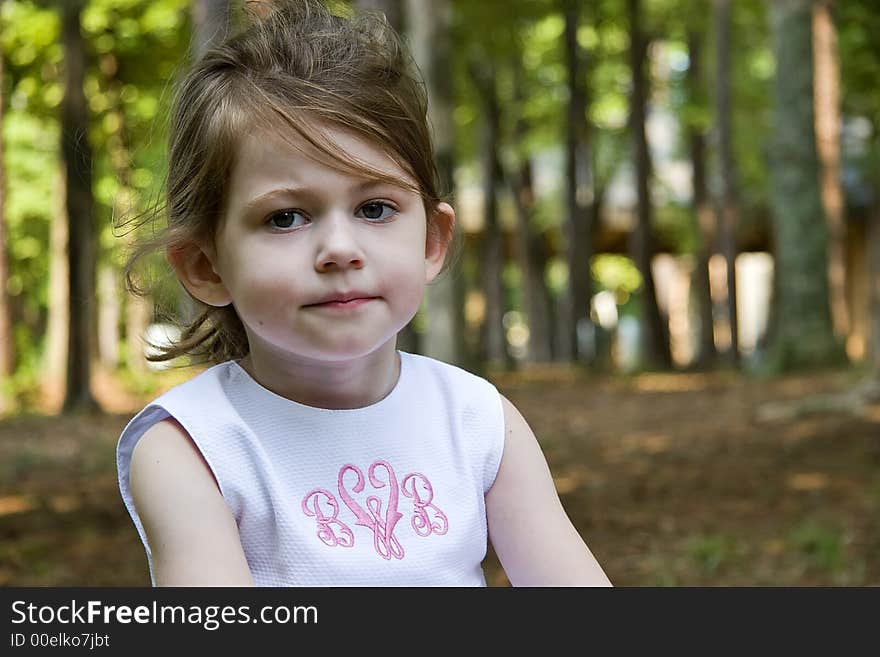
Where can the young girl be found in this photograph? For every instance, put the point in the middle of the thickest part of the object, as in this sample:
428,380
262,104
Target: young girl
304,215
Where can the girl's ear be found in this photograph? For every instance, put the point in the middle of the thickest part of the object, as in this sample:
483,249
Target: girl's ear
438,241
197,274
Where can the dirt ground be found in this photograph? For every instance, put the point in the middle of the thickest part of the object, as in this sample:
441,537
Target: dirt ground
673,480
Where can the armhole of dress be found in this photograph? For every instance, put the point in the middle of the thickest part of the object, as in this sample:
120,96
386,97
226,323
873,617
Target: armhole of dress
130,436
496,442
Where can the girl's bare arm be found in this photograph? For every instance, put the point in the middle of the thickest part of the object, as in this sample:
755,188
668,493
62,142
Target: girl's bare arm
533,537
192,535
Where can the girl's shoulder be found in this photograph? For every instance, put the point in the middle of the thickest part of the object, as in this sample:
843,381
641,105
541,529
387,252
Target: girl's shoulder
426,366
460,389
201,401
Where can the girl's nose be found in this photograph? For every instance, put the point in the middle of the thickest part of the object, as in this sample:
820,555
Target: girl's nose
338,246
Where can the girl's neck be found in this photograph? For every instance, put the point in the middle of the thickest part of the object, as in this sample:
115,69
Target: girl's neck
328,384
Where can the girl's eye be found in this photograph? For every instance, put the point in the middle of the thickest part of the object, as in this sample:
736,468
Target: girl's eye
377,211
284,218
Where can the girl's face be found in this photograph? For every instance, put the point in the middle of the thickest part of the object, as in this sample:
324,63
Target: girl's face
297,233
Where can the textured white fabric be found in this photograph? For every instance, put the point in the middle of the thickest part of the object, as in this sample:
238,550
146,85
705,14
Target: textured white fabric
435,441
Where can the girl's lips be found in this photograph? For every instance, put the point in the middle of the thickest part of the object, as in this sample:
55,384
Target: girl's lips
344,305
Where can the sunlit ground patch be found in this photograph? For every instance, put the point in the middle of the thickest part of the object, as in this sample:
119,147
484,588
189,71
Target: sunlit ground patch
808,481
11,504
670,382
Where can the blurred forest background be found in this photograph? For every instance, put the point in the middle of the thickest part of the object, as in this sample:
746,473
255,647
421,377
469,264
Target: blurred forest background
671,222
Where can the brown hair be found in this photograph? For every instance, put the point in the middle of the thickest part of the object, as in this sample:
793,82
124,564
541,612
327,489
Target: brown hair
294,65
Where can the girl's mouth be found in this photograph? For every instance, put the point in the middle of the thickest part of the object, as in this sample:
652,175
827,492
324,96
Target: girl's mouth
343,305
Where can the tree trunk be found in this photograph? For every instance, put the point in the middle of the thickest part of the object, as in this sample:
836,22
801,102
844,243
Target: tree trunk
429,25
873,274
491,254
533,259
826,79
392,10
803,335
58,323
654,333
531,255
77,156
874,277
701,206
7,338
604,353
577,300
727,207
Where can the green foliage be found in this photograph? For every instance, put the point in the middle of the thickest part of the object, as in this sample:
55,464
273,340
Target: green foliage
822,544
675,223
134,47
145,385
752,69
858,24
513,284
31,49
617,274
710,552
503,33
24,387
30,157
556,276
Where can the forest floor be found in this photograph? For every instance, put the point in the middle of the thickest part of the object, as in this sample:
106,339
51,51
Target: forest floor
672,480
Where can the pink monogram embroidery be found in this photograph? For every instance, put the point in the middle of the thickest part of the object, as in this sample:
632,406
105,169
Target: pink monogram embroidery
384,541
422,525
414,485
325,532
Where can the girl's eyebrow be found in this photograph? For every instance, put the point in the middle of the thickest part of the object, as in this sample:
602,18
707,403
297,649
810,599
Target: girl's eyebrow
359,188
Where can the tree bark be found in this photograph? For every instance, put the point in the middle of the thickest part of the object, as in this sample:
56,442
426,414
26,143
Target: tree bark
579,292
531,255
727,208
873,261
533,262
803,334
7,338
58,322
77,155
493,338
702,212
654,333
826,80
429,25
